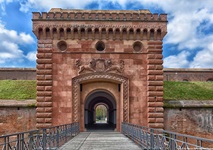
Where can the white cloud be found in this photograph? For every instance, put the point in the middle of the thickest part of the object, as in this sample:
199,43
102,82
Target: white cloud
177,61
204,58
10,52
46,5
31,56
10,42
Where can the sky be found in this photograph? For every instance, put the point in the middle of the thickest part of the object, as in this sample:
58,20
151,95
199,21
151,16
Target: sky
188,43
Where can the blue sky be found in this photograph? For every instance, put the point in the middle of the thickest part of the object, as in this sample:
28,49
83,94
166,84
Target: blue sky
188,44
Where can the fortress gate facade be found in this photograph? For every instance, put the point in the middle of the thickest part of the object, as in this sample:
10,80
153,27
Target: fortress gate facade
91,57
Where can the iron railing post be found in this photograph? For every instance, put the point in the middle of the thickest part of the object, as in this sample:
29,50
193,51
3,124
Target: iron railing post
57,136
152,142
44,139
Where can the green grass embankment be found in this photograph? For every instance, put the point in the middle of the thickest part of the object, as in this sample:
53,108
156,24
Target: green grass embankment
17,89
188,90
26,89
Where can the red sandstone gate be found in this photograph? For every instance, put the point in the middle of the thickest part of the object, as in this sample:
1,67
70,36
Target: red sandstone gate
115,54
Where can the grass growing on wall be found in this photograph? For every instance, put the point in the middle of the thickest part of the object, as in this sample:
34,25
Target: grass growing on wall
17,89
26,89
188,90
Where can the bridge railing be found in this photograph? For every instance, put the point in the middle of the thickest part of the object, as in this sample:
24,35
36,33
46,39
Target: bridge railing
43,139
149,138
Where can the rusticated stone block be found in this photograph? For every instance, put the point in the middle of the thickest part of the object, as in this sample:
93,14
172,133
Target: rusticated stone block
48,98
159,120
44,104
155,42
40,55
40,88
45,41
156,125
155,93
44,50
43,115
40,66
44,93
155,83
40,109
155,72
43,125
40,120
155,61
48,66
48,77
44,72
155,115
40,77
155,109
155,104
45,83
48,109
40,99
151,120
44,61
159,88
48,120
48,55
48,88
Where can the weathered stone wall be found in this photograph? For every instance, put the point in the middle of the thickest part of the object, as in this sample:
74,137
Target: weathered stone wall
169,74
192,74
17,116
17,74
189,117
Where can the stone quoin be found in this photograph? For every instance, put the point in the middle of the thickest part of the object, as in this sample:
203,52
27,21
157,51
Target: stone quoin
91,57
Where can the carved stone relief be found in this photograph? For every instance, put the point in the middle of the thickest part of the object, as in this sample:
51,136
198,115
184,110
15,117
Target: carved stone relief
100,65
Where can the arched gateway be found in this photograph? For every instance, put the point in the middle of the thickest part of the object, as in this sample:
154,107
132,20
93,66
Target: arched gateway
92,57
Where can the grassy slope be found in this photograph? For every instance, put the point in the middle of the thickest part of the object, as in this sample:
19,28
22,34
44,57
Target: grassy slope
26,89
188,90
17,89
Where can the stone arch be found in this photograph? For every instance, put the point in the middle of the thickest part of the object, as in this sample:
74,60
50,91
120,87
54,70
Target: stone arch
89,77
95,98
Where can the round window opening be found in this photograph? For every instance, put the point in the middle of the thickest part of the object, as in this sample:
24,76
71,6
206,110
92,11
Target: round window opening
62,45
100,46
137,46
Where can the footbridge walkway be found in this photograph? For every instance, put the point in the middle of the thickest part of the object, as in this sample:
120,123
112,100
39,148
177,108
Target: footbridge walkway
132,137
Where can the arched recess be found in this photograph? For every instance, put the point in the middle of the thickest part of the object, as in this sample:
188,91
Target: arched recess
100,97
106,77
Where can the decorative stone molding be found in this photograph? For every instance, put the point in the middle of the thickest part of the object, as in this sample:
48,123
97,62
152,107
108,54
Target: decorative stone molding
76,81
100,65
66,31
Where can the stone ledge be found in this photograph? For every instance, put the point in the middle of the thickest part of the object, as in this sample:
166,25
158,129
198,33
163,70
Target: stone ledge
16,103
188,104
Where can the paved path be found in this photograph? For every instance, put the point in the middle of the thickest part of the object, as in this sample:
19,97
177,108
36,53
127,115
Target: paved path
100,141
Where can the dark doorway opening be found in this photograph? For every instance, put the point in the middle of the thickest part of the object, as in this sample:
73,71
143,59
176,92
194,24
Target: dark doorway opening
100,112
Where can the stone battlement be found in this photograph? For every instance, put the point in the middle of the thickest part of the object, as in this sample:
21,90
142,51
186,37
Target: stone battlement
109,15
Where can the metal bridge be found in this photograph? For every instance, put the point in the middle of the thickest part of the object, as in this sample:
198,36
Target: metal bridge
132,137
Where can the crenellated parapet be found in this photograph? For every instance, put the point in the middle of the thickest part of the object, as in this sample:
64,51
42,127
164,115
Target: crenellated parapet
98,15
71,25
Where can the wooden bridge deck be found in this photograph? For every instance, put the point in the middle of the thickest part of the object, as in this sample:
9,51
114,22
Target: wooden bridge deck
100,141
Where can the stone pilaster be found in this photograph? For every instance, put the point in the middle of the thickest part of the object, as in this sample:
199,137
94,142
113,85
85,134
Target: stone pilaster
155,85
44,84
